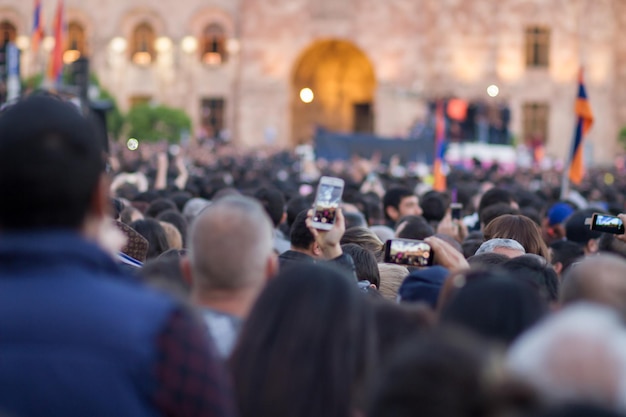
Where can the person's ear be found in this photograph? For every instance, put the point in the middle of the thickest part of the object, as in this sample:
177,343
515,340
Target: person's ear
392,212
317,251
592,246
558,268
185,268
271,267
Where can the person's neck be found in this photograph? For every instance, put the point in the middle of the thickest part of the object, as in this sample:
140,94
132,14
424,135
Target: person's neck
234,302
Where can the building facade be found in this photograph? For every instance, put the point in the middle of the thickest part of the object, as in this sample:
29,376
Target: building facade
247,68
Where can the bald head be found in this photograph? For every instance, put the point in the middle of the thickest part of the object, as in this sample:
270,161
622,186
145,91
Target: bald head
230,244
600,278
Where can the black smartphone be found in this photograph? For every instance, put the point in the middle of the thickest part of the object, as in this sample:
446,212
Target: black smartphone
607,224
455,210
408,252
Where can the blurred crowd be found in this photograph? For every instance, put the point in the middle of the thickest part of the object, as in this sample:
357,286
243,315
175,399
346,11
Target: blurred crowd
190,281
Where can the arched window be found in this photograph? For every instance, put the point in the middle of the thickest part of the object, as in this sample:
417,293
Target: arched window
8,32
142,50
76,43
213,50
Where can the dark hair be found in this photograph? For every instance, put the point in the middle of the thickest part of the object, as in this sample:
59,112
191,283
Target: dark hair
497,307
470,246
164,272
117,207
577,231
532,214
433,205
178,220
364,262
495,210
393,197
414,227
154,234
300,236
353,219
273,202
536,269
158,206
308,311
566,253
180,198
495,196
295,206
50,165
577,410
444,373
488,259
609,244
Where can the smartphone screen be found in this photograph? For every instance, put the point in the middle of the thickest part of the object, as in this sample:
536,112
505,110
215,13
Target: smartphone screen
408,252
455,209
607,224
327,201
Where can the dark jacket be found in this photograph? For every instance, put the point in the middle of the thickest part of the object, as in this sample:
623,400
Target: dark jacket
343,262
77,338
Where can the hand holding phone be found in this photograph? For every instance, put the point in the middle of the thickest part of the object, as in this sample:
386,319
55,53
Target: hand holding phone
327,201
455,210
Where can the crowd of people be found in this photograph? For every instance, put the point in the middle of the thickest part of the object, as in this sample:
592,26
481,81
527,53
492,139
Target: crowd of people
191,282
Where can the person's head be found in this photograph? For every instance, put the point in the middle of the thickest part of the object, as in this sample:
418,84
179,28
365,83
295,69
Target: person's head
175,218
508,247
494,211
495,196
423,286
51,168
577,230
434,206
194,207
230,248
470,246
391,278
366,239
399,202
521,229
301,238
599,279
487,260
165,272
307,311
608,243
553,225
575,355
563,254
160,205
295,206
130,214
174,238
497,307
354,219
537,270
413,227
273,202
154,234
442,373
364,262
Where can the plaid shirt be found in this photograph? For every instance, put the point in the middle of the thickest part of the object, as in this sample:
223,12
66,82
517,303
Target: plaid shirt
192,380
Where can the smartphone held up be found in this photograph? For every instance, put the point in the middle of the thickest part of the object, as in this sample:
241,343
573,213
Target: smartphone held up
327,201
607,224
408,252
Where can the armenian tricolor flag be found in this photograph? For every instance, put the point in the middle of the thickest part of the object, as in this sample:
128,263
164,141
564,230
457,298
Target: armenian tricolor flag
584,120
55,69
37,35
440,134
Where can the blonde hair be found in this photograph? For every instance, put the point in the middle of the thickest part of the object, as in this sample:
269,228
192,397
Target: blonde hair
174,238
391,277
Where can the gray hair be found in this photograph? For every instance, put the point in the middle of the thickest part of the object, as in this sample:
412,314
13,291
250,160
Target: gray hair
490,245
575,355
230,243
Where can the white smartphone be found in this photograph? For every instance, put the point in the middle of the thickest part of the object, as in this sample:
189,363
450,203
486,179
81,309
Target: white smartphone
327,200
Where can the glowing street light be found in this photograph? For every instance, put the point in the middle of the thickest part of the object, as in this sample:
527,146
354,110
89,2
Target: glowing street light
306,95
493,90
132,144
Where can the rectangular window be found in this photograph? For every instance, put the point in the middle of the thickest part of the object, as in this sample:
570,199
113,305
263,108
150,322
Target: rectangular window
536,117
212,114
537,47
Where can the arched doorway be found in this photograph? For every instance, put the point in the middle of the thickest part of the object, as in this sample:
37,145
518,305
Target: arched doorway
342,82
